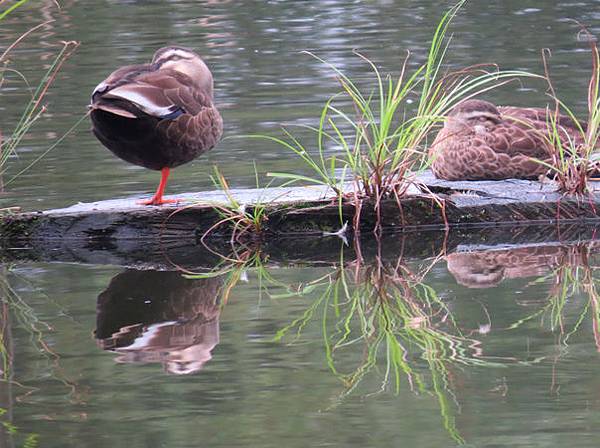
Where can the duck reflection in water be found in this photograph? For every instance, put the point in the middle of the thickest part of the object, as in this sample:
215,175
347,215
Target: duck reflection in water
486,269
157,316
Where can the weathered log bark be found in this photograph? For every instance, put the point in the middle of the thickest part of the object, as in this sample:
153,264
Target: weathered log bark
301,211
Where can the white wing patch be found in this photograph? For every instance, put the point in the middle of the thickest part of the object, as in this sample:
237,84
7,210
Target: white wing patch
143,97
113,110
100,88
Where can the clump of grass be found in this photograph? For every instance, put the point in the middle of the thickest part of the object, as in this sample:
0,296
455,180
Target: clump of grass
35,108
245,220
382,147
245,223
572,163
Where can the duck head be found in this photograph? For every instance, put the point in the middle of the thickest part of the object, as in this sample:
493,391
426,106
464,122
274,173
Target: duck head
473,115
187,62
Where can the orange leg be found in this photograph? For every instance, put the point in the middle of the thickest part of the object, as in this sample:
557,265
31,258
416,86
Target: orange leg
157,199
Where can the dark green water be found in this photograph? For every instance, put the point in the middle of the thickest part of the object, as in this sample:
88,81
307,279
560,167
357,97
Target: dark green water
497,350
288,357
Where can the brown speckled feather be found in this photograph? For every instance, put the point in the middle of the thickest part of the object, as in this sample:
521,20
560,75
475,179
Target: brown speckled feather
480,141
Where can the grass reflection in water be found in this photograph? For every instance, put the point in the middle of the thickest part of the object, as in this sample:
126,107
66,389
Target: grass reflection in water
16,312
379,318
573,274
385,311
383,320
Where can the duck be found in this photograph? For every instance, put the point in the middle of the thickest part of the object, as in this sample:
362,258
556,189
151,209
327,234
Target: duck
158,115
482,141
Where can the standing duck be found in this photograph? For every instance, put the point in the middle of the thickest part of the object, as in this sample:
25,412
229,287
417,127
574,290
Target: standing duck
480,141
158,115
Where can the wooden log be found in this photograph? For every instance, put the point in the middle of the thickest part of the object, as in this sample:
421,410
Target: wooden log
303,211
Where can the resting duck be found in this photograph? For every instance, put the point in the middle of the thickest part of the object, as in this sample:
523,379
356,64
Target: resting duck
158,115
481,141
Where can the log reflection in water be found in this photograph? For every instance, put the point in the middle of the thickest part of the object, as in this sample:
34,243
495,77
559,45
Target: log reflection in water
157,316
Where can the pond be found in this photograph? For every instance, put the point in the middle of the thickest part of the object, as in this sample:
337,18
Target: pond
434,340
486,346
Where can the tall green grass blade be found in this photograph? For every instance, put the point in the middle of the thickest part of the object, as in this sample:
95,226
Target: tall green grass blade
11,8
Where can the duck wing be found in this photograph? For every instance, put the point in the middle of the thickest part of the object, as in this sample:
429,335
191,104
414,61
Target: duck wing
147,98
538,114
194,124
525,131
136,91
517,139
